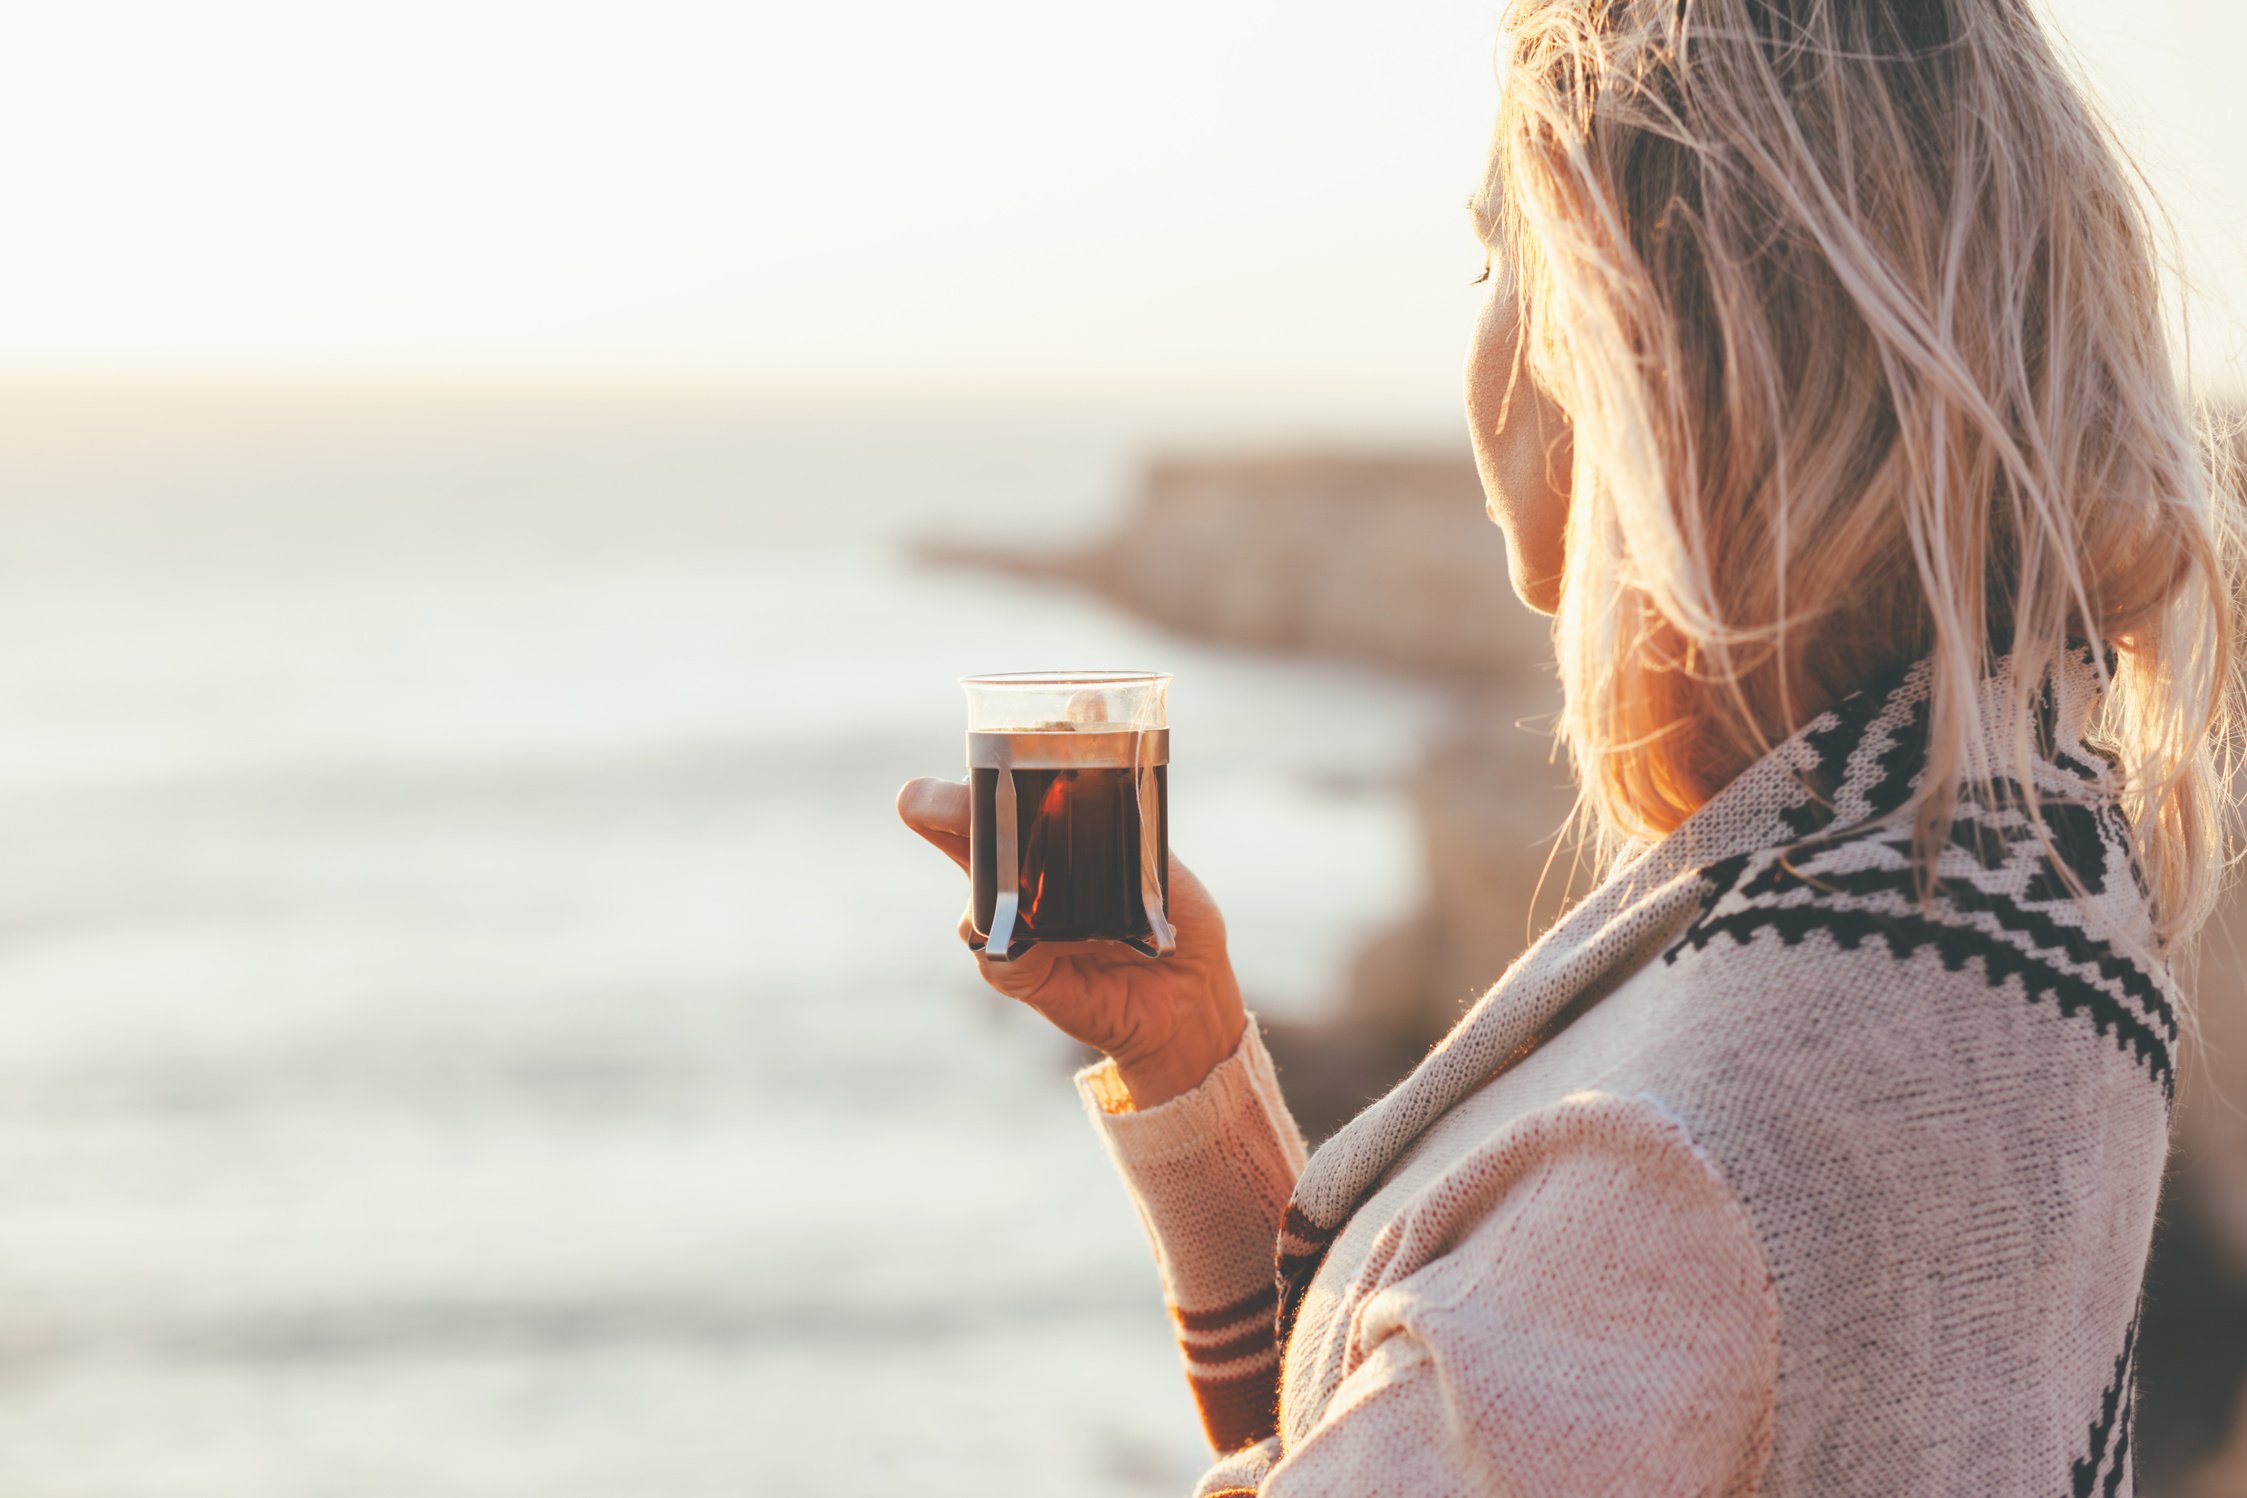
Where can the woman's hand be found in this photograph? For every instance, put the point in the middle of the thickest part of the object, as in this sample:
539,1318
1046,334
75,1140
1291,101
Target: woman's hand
1166,1022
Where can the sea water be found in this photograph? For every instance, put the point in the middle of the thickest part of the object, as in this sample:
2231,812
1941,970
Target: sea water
470,1021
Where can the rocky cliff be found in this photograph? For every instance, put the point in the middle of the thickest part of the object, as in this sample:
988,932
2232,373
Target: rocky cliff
1384,560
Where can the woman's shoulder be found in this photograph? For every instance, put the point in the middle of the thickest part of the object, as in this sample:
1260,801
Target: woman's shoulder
1945,1112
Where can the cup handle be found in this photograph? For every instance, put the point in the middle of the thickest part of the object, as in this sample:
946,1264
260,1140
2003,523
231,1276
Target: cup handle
997,944
1164,940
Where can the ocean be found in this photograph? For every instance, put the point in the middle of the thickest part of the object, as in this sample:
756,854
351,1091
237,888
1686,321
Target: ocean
470,1020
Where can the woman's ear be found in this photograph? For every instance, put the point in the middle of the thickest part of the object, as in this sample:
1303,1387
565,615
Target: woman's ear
1523,451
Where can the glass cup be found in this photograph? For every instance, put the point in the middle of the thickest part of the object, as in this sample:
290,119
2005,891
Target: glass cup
1069,837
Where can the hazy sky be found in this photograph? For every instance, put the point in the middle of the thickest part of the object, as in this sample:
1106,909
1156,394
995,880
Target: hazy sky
1225,195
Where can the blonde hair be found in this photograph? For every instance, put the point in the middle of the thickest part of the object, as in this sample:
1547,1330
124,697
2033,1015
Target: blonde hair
1854,310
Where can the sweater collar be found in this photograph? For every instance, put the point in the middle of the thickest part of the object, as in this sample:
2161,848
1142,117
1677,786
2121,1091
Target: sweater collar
1860,758
1855,762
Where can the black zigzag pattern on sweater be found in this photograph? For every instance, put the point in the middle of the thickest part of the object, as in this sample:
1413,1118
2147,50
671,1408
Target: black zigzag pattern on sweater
2079,835
2084,838
2117,1406
1831,747
1295,1268
2043,931
1907,933
2109,772
2075,827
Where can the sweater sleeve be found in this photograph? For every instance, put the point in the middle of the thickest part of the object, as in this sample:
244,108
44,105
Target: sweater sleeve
1211,1172
1579,1306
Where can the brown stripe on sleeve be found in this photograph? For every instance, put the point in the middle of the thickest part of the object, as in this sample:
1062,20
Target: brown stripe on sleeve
1218,1318
1239,1409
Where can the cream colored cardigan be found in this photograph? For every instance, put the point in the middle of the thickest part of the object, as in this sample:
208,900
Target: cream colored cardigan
1751,1176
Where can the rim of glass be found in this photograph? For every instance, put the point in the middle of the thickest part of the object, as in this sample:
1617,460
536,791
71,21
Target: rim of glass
1065,679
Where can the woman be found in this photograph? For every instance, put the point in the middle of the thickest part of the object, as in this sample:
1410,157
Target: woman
1823,395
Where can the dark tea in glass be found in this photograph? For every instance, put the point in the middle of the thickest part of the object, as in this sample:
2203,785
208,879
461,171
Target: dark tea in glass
1069,838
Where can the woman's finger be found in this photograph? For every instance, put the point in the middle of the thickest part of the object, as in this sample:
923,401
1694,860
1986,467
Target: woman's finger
938,811
1024,978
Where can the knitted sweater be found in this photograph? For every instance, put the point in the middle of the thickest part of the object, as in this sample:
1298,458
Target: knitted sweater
1755,1174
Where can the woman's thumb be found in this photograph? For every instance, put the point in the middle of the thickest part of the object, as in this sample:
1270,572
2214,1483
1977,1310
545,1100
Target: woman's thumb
938,811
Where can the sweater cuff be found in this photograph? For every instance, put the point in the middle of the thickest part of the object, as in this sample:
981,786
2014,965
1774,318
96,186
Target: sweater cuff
1242,1093
1210,1172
